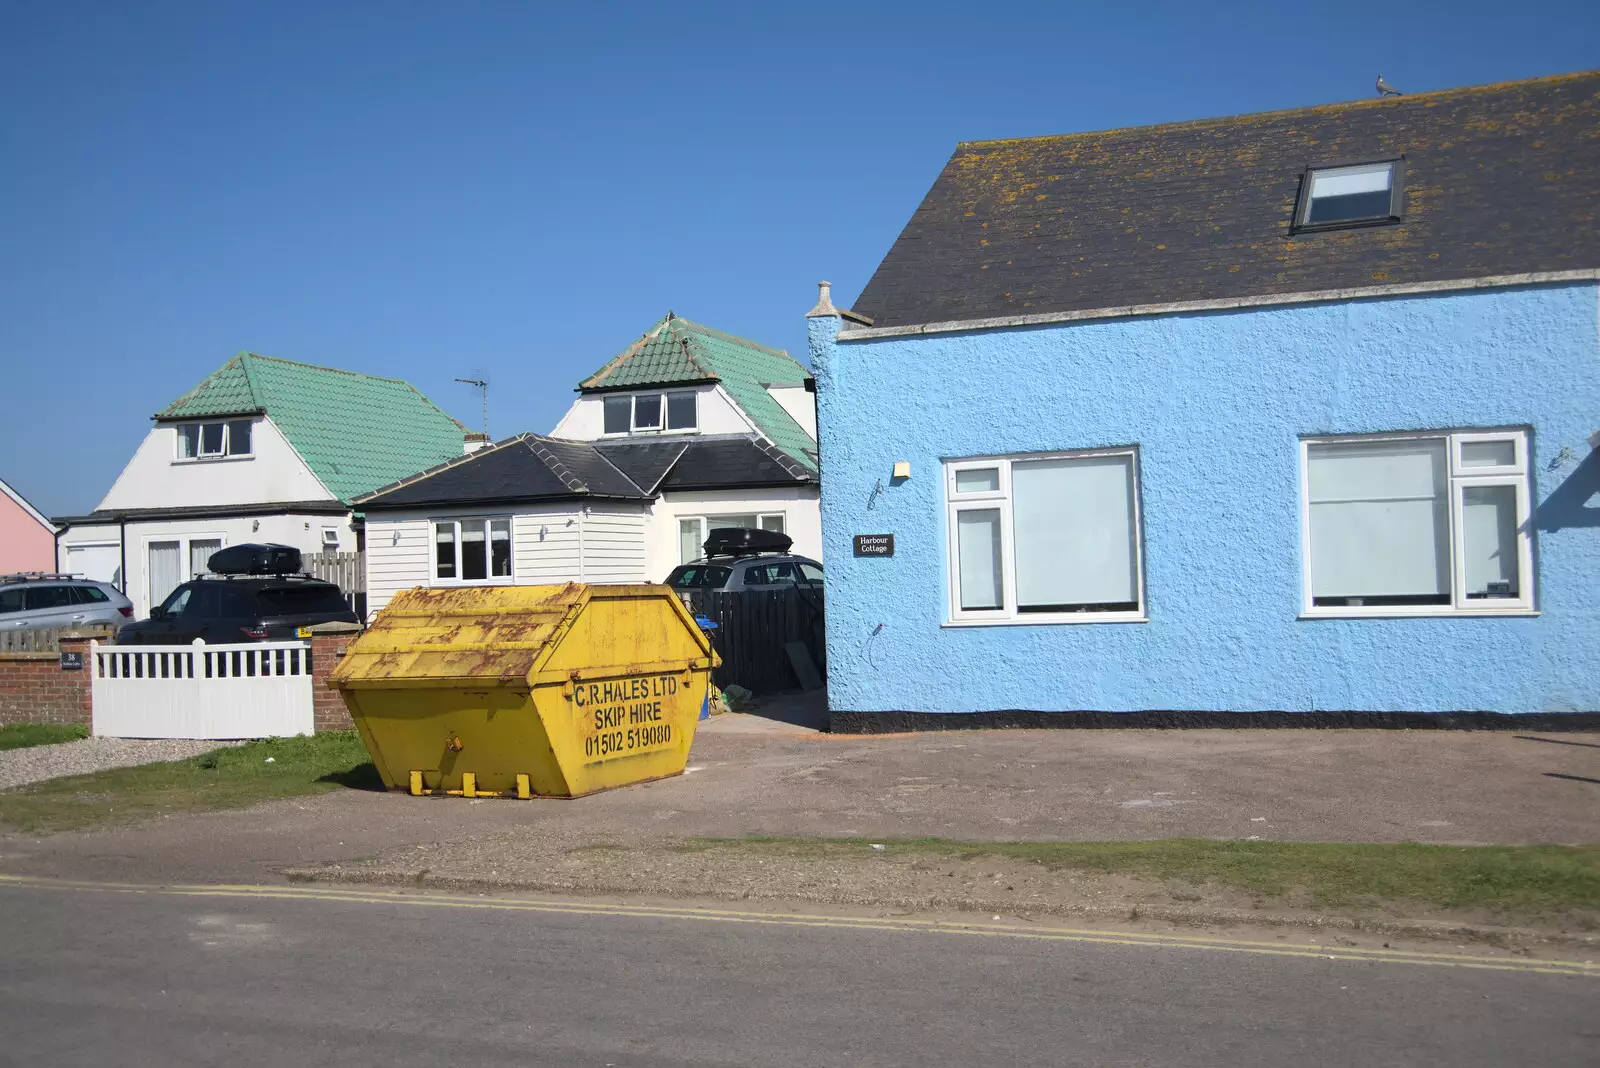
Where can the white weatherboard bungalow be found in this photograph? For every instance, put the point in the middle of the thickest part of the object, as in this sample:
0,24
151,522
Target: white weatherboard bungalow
262,450
686,430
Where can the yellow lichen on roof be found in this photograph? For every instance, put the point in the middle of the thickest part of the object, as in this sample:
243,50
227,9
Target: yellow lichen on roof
1430,99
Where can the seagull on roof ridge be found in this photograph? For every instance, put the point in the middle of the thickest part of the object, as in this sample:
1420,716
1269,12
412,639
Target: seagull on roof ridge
1385,89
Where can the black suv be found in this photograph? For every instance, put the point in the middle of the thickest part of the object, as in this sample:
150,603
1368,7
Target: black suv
741,559
226,608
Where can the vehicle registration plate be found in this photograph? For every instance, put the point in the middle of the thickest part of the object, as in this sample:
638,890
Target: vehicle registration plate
302,632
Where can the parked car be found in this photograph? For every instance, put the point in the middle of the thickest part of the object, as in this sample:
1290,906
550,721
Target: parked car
43,600
254,598
745,559
221,609
748,573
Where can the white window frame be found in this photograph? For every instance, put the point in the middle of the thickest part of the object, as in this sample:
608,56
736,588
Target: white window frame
633,415
666,404
704,522
1302,215
490,578
988,500
212,457
1518,475
185,542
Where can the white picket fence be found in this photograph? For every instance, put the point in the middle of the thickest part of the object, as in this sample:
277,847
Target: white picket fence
255,690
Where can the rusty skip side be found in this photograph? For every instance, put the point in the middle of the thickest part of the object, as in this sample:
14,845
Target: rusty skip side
435,637
500,635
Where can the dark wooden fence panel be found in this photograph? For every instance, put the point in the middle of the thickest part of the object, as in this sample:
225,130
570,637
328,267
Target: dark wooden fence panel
752,629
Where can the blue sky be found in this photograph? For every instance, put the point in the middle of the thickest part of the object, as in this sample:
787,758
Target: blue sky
517,191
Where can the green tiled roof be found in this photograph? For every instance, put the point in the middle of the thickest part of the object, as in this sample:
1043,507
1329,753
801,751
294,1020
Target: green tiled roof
356,432
678,352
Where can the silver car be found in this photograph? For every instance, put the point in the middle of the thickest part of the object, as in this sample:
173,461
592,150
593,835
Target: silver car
41,600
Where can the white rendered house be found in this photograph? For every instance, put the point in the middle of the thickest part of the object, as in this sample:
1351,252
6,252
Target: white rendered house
262,450
687,430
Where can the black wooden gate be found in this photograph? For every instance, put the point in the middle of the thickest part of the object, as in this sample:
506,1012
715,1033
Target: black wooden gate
752,629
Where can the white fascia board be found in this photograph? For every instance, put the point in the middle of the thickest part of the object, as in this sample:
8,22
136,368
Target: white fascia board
1400,289
22,502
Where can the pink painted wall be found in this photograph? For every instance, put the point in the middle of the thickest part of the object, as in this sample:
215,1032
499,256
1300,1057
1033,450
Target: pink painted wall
24,544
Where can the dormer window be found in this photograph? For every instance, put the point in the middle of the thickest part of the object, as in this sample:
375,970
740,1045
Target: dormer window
211,441
1359,195
647,411
651,413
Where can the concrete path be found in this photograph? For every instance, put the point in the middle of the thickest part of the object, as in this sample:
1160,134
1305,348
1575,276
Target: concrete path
1330,786
304,977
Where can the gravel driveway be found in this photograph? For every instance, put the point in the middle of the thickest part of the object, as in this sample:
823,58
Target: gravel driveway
21,766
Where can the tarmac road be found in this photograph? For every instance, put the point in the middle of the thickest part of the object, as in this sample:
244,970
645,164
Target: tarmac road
94,974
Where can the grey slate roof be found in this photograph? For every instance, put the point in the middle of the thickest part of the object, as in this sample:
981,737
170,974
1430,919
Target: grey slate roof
707,463
1499,180
531,468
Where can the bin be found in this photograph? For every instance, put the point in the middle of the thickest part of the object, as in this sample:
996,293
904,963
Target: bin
518,691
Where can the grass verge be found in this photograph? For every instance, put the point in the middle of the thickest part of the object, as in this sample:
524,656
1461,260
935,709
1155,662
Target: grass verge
225,778
27,735
1523,879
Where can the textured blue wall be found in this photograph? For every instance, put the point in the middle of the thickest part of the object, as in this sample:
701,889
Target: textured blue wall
1217,404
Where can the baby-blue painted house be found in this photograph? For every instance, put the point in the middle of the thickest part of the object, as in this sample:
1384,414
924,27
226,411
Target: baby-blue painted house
1281,413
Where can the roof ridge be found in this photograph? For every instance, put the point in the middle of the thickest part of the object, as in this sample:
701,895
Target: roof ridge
724,335
250,382
553,462
621,357
1309,109
323,367
198,386
784,460
426,473
684,337
601,453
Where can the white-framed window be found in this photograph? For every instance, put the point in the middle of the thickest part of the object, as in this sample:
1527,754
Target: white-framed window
212,441
173,560
1045,538
330,539
651,413
1429,523
471,550
1364,193
693,530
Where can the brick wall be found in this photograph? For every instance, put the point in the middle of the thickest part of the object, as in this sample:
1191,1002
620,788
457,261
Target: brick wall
34,689
328,641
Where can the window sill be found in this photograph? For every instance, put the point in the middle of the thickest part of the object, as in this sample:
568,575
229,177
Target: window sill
186,460
498,580
1395,612
1047,621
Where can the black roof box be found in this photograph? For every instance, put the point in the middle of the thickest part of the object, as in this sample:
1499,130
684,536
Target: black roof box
745,541
254,559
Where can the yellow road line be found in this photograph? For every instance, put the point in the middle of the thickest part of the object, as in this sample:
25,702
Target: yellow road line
1038,933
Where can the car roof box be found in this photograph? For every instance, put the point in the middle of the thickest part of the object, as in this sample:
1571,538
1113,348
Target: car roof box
254,559
745,541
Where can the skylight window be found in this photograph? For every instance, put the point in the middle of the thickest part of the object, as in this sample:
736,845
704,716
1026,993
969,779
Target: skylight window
1350,196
